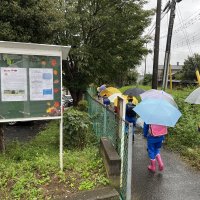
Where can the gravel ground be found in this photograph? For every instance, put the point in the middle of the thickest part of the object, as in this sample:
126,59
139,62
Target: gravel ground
23,131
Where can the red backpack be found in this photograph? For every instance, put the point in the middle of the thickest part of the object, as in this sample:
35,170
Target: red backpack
157,130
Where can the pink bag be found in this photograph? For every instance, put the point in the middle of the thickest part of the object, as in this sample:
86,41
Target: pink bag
157,130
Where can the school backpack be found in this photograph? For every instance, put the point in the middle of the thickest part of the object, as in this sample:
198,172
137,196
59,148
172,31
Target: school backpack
106,101
129,110
157,130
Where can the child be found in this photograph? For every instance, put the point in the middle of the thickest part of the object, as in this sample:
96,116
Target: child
130,115
154,143
98,93
106,101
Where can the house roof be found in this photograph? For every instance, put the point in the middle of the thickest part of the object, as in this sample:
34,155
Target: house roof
174,67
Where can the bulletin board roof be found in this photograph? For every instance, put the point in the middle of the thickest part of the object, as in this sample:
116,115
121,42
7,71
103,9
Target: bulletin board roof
6,46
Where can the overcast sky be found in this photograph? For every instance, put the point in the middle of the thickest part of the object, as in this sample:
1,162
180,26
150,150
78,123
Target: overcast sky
187,16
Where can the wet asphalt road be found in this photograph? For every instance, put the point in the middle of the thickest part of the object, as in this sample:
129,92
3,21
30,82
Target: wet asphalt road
178,181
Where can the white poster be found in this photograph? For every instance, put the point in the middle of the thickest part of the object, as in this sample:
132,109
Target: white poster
41,84
13,84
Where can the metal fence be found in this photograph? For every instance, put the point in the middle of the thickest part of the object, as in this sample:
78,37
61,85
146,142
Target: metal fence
107,124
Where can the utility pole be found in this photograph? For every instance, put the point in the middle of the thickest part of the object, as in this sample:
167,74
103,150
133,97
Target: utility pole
156,46
145,64
172,6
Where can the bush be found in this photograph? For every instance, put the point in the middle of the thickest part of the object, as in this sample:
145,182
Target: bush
77,129
82,106
147,79
185,134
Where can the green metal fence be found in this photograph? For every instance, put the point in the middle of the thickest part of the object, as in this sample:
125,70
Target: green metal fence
107,124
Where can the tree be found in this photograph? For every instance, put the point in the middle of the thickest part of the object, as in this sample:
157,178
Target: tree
37,21
106,39
131,78
189,67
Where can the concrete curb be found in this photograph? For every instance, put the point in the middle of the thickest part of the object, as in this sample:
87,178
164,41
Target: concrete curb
106,193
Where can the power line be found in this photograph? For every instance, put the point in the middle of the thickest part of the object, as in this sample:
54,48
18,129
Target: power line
185,43
181,43
154,24
187,24
192,37
184,31
188,20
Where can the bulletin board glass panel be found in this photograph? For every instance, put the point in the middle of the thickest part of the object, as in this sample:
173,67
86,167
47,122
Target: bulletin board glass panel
30,86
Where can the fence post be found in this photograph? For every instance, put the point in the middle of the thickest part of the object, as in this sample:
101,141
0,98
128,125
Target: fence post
129,166
104,120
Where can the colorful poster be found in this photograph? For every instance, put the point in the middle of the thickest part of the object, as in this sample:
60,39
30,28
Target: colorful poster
13,84
41,84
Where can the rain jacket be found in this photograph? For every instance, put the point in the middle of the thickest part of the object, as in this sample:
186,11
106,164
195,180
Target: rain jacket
130,119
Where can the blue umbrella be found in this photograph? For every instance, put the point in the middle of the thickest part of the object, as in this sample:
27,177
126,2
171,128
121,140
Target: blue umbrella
158,111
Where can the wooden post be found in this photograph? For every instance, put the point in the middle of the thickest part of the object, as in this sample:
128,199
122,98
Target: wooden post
156,46
198,76
2,139
170,75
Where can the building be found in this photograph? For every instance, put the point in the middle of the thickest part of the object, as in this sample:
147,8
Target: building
175,69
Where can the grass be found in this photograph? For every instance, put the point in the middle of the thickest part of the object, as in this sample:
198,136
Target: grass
31,170
184,137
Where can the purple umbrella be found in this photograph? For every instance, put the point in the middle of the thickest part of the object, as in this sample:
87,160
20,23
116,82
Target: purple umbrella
102,87
158,94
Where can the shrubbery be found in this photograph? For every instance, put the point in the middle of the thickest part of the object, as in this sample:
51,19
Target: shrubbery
83,105
147,79
77,129
184,137
185,132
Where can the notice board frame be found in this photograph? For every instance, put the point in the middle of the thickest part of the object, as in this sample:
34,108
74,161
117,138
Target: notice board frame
17,48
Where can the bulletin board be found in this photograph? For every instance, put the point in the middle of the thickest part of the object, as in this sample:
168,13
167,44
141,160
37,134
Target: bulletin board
30,81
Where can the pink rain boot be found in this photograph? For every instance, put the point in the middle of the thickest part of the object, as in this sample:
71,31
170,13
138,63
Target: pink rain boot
160,162
152,166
